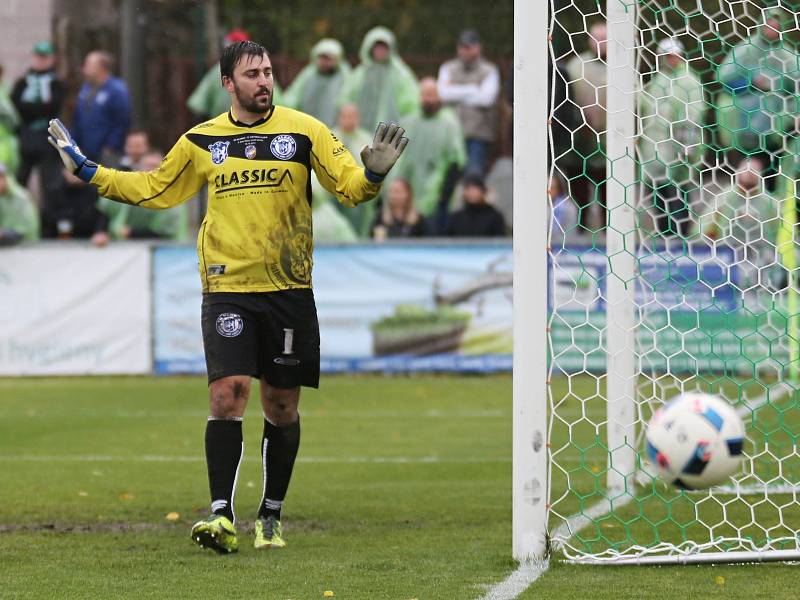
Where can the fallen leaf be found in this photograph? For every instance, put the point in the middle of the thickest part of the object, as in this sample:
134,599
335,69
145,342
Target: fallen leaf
126,496
720,580
83,494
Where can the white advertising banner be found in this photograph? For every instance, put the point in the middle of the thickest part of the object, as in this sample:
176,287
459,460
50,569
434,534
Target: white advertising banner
69,309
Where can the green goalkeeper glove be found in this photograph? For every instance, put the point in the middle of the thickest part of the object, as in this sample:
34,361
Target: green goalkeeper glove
387,146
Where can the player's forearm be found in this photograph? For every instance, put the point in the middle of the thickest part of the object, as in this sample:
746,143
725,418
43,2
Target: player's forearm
139,188
357,188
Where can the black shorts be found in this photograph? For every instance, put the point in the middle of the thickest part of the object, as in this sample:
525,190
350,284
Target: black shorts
274,335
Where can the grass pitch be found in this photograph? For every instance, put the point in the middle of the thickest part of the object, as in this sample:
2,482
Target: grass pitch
402,490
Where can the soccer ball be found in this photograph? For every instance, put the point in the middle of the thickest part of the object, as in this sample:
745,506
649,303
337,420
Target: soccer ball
695,441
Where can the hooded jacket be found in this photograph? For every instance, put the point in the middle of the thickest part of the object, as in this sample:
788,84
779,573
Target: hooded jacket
316,93
17,211
382,91
746,113
671,109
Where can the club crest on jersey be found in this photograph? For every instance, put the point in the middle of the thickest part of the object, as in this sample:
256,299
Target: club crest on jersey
229,325
219,152
283,147
250,151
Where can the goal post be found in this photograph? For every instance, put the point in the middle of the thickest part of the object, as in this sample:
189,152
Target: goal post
671,266
620,338
529,504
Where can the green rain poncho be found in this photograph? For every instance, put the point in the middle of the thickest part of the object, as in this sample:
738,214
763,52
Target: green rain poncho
17,211
671,109
748,223
317,93
382,91
170,224
438,146
750,119
330,225
210,99
9,121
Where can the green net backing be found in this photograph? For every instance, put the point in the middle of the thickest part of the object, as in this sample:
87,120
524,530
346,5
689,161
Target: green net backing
715,280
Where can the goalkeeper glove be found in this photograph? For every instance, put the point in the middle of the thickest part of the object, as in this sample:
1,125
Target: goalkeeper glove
72,157
387,146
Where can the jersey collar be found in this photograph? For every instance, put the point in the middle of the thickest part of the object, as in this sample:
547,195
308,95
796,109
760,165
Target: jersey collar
261,121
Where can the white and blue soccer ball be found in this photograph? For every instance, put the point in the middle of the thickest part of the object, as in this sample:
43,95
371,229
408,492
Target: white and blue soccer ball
695,441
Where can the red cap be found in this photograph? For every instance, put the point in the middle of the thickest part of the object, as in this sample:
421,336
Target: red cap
236,35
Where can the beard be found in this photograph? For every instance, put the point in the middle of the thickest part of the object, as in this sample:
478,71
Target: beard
430,109
254,104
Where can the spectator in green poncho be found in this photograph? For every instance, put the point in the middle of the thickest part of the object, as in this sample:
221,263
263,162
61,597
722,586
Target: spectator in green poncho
758,101
209,98
433,168
317,87
129,222
9,122
746,216
18,215
383,87
671,109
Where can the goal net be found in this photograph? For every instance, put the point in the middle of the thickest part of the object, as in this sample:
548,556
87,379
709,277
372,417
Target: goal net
672,268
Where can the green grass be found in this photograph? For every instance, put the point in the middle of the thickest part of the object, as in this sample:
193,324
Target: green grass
402,490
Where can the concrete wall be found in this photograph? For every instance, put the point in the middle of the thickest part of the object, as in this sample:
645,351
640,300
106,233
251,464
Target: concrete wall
22,24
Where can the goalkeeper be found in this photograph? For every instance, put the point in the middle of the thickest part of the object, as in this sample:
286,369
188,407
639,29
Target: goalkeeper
258,313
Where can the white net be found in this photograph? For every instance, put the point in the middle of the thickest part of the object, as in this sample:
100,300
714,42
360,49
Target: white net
710,296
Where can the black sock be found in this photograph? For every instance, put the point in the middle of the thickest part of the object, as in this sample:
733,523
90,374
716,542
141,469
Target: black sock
224,448
278,450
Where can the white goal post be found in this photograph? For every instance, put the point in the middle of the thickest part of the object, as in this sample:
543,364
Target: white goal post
676,272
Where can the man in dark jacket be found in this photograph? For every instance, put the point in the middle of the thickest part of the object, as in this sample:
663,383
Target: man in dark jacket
476,218
103,114
38,97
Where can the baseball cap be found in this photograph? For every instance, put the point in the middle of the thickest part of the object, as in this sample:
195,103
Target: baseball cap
468,37
237,35
43,48
670,46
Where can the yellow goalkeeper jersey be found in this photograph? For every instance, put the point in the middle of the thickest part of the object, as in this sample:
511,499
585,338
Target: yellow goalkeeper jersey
257,233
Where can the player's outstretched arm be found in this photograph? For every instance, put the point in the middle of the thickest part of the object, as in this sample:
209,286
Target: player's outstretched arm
173,182
387,146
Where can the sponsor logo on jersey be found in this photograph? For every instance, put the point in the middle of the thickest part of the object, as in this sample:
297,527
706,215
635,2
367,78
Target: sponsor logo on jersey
283,146
250,151
216,269
219,152
252,177
229,325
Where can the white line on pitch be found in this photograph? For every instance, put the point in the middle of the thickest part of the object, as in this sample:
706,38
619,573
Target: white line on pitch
528,572
516,583
575,523
150,458
770,396
313,414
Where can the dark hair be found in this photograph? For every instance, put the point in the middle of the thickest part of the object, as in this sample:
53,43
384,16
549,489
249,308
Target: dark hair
231,55
138,132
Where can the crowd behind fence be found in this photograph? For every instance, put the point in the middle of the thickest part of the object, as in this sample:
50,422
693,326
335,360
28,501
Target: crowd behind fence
716,130
449,185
